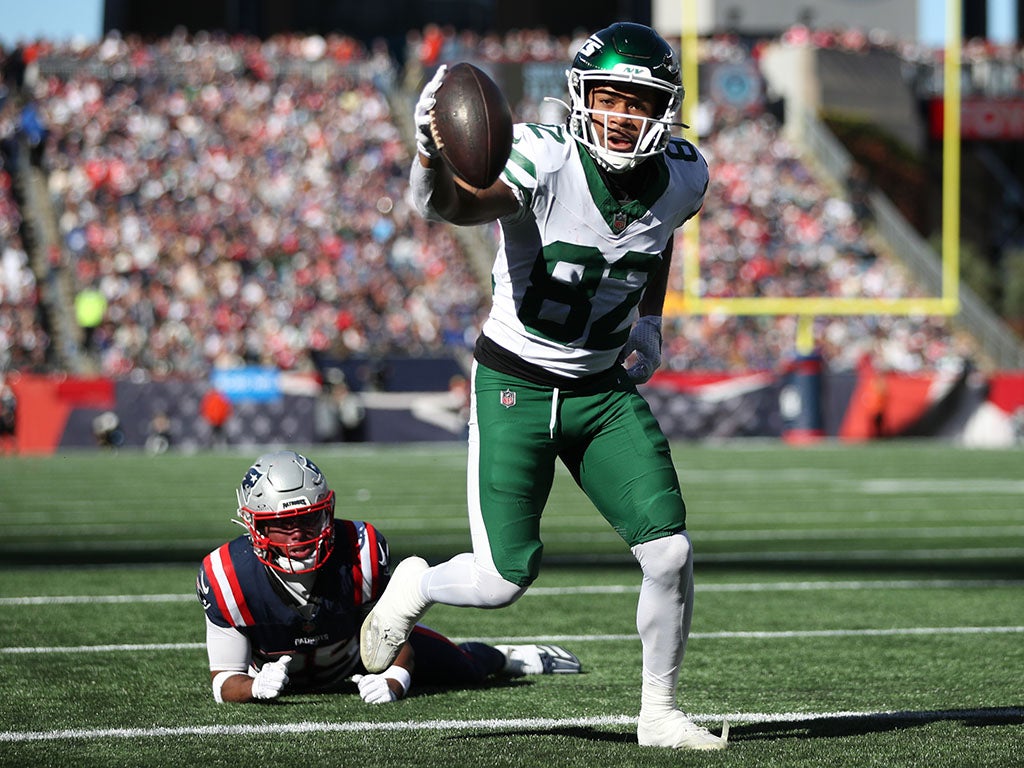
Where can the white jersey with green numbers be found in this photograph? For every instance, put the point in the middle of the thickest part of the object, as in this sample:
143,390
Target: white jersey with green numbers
572,263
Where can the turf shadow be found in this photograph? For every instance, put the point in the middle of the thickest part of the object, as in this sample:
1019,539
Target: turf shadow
810,728
585,733
881,722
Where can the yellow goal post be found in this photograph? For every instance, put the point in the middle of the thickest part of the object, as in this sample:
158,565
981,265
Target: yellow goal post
689,301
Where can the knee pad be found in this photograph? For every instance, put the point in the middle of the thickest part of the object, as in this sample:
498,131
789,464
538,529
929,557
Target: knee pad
666,559
497,591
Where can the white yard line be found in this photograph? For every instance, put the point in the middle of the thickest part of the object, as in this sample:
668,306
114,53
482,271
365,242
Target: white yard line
736,635
609,589
751,635
94,599
531,723
862,532
795,586
893,555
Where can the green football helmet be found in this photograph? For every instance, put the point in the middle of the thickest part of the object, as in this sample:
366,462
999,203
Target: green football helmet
626,54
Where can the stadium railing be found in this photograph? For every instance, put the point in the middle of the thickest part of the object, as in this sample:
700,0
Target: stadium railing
995,336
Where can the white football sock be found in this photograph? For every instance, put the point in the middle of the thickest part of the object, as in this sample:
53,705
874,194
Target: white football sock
664,612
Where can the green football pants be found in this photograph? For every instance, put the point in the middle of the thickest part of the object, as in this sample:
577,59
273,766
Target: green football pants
605,435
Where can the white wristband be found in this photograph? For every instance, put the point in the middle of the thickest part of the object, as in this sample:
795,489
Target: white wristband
400,675
218,684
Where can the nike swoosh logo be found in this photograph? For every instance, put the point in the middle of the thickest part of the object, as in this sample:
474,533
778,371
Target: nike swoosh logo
203,584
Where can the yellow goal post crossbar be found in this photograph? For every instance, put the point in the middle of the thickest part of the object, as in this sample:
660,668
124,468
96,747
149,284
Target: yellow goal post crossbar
690,302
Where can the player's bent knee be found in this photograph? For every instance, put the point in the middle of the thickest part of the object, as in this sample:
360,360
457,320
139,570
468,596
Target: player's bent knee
499,592
664,558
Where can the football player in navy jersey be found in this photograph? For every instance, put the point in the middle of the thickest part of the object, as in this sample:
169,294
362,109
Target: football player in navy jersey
285,600
587,214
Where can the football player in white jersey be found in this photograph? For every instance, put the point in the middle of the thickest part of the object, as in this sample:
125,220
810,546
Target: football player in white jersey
587,214
284,602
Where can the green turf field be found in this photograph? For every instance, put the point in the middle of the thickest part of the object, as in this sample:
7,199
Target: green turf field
856,606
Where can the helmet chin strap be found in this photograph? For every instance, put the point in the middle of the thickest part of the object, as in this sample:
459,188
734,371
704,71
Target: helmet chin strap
299,585
295,567
614,162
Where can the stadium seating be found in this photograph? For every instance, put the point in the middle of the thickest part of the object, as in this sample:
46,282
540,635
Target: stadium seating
244,203
239,201
24,342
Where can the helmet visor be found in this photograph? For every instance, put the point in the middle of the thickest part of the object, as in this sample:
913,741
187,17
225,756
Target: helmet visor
296,540
592,125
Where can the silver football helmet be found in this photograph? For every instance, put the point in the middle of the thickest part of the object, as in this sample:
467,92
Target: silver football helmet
288,509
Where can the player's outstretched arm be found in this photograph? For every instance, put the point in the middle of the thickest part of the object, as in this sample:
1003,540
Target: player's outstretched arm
437,193
230,686
440,195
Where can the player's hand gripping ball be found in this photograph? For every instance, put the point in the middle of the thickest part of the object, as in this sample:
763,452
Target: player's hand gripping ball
471,125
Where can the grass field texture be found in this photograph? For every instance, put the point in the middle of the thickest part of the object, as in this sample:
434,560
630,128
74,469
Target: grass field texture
856,606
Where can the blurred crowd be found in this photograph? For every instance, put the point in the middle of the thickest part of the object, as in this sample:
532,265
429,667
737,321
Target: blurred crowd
227,201
230,210
770,228
23,341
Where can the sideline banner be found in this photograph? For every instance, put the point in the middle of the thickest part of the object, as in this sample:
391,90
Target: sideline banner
59,411
252,383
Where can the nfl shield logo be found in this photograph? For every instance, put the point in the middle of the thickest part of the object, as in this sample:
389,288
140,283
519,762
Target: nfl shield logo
619,221
508,398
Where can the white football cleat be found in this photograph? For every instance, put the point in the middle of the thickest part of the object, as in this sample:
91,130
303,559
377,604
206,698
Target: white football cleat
675,730
538,660
386,628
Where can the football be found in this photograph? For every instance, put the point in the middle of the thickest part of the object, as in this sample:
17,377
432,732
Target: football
471,124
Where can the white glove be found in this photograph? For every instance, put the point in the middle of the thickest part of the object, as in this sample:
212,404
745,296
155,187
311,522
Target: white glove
374,689
421,114
645,340
271,679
